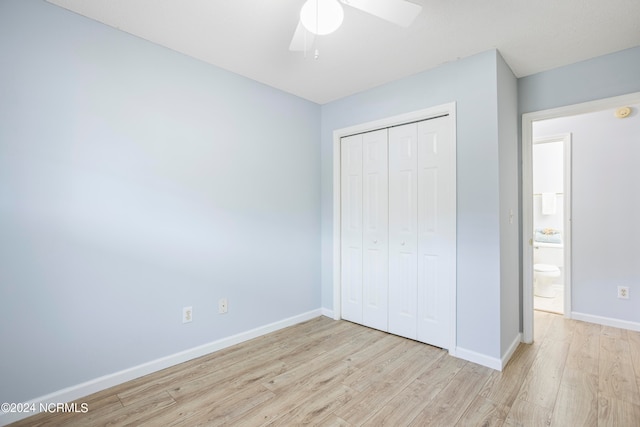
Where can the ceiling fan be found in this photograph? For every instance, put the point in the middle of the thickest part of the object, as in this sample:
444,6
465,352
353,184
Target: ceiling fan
320,17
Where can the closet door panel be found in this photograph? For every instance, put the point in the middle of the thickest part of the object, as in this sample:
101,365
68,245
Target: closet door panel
375,229
403,224
436,230
352,228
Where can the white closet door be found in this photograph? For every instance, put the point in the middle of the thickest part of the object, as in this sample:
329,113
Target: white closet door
351,220
436,230
403,230
398,216
375,229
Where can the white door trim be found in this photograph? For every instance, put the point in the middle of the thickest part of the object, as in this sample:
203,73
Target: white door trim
527,189
428,113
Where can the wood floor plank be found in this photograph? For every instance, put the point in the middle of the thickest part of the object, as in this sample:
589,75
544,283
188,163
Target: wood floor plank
577,398
282,403
224,411
229,380
206,368
560,330
502,387
616,375
450,404
399,411
382,385
484,412
613,412
262,366
406,405
133,415
575,407
333,421
527,414
584,353
542,382
612,332
634,348
366,356
308,375
542,321
361,379
317,406
390,365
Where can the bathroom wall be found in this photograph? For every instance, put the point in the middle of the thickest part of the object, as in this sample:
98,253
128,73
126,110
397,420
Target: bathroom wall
548,171
605,212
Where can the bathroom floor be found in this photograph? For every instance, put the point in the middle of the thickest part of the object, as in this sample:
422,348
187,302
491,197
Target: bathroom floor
551,305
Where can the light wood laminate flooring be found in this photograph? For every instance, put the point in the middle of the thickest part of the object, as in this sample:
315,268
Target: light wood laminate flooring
335,373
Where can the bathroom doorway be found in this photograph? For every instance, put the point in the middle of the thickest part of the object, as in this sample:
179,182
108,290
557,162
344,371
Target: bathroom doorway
589,149
551,213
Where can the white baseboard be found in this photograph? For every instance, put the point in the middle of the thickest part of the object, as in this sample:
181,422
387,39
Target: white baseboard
512,349
484,360
606,321
479,358
328,313
98,384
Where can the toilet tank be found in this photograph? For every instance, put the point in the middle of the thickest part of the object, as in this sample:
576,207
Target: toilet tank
548,253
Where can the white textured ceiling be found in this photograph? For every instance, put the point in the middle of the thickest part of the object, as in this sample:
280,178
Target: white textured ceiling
251,37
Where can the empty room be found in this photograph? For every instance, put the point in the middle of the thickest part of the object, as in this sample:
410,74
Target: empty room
326,212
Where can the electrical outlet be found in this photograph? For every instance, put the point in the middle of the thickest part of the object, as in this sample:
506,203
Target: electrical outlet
623,292
187,314
222,306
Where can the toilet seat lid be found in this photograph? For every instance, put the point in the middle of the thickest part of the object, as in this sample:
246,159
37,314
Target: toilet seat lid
546,268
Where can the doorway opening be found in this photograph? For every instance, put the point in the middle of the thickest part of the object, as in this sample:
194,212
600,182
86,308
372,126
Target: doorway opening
551,214
533,126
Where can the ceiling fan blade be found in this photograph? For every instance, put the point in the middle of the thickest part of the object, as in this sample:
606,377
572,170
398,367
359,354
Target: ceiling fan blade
302,39
398,12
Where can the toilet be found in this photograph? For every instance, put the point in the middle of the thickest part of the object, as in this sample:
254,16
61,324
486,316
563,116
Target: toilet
548,260
543,276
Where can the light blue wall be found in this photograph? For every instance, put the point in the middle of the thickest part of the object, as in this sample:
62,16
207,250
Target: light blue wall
602,77
135,181
509,206
472,84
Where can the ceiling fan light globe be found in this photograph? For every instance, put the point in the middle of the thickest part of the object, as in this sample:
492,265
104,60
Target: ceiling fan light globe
321,17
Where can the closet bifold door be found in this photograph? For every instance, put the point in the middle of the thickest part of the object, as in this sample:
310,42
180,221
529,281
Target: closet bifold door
375,214
398,235
403,230
351,231
422,224
436,230
364,219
